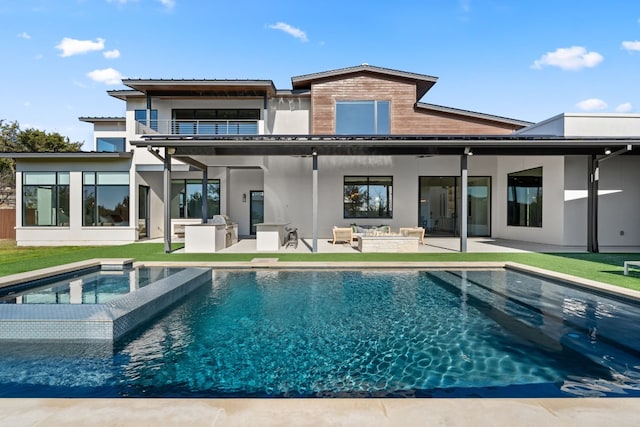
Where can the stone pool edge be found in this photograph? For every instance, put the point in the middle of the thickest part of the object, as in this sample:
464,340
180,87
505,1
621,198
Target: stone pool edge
584,412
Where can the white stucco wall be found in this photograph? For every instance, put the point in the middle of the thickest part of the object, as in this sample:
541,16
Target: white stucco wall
242,182
289,115
288,187
76,233
552,230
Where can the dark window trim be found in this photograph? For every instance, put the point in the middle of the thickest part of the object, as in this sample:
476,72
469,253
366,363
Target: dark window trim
368,178
511,215
56,192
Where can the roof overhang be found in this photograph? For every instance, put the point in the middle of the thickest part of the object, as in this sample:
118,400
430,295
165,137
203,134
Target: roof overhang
358,145
157,87
75,155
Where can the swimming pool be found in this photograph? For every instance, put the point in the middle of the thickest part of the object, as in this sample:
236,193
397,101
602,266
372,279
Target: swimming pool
87,286
277,333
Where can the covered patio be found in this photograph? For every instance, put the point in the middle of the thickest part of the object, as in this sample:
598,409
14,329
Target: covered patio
198,150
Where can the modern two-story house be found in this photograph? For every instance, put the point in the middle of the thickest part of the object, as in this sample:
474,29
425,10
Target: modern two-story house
348,146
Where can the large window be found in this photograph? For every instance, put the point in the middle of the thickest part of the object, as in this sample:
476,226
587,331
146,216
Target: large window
105,198
363,118
524,198
186,198
111,145
45,198
141,116
368,197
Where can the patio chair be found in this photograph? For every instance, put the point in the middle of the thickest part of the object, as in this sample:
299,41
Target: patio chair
413,232
342,234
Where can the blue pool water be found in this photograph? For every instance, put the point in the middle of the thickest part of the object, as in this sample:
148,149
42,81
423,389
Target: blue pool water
91,286
354,334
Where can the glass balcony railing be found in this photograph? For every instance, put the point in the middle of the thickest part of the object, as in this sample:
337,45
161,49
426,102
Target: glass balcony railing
199,127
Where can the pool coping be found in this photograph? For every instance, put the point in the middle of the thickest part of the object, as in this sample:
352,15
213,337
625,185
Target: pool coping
584,412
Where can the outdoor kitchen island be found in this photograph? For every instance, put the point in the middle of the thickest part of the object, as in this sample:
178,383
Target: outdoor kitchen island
217,234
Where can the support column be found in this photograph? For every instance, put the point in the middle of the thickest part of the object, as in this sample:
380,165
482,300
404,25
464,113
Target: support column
205,194
592,205
314,203
167,201
464,202
148,121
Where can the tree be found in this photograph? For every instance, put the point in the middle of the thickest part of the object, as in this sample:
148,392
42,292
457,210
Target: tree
14,140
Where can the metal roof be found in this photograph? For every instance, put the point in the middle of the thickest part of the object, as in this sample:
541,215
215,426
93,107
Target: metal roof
363,145
101,119
73,155
472,114
212,87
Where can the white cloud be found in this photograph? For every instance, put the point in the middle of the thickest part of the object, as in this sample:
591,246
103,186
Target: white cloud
624,108
592,104
465,5
169,4
121,1
111,54
24,35
292,31
107,76
70,47
569,58
631,45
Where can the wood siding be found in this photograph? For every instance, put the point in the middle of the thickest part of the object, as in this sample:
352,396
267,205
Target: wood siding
406,119
7,223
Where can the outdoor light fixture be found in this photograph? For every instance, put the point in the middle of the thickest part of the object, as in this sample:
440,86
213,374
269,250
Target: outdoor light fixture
607,151
467,151
244,197
314,152
171,151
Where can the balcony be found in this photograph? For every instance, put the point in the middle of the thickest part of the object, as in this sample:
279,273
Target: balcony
199,127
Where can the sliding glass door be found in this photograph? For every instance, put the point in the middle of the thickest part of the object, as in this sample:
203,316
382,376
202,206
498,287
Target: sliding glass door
439,205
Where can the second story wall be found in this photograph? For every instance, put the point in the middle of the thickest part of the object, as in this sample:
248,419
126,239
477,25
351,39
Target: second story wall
405,117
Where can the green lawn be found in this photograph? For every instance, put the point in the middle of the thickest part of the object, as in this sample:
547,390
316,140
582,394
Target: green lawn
601,267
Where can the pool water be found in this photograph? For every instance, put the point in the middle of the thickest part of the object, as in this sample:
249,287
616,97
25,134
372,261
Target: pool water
92,286
355,334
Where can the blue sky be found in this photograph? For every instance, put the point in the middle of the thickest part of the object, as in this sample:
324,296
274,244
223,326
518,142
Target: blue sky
527,60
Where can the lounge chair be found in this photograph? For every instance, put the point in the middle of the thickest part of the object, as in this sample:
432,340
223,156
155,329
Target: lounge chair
342,234
413,232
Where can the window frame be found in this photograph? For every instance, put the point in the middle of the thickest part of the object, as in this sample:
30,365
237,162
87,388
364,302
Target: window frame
529,218
380,126
96,185
140,116
182,198
368,178
57,209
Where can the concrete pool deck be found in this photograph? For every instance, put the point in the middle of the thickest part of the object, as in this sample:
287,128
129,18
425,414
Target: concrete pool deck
583,412
331,412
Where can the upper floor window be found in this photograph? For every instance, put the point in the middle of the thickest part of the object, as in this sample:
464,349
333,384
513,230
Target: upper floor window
524,198
111,145
45,198
141,117
105,198
363,117
186,198
368,197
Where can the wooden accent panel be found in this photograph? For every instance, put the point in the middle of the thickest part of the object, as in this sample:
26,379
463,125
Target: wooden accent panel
405,118
7,223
